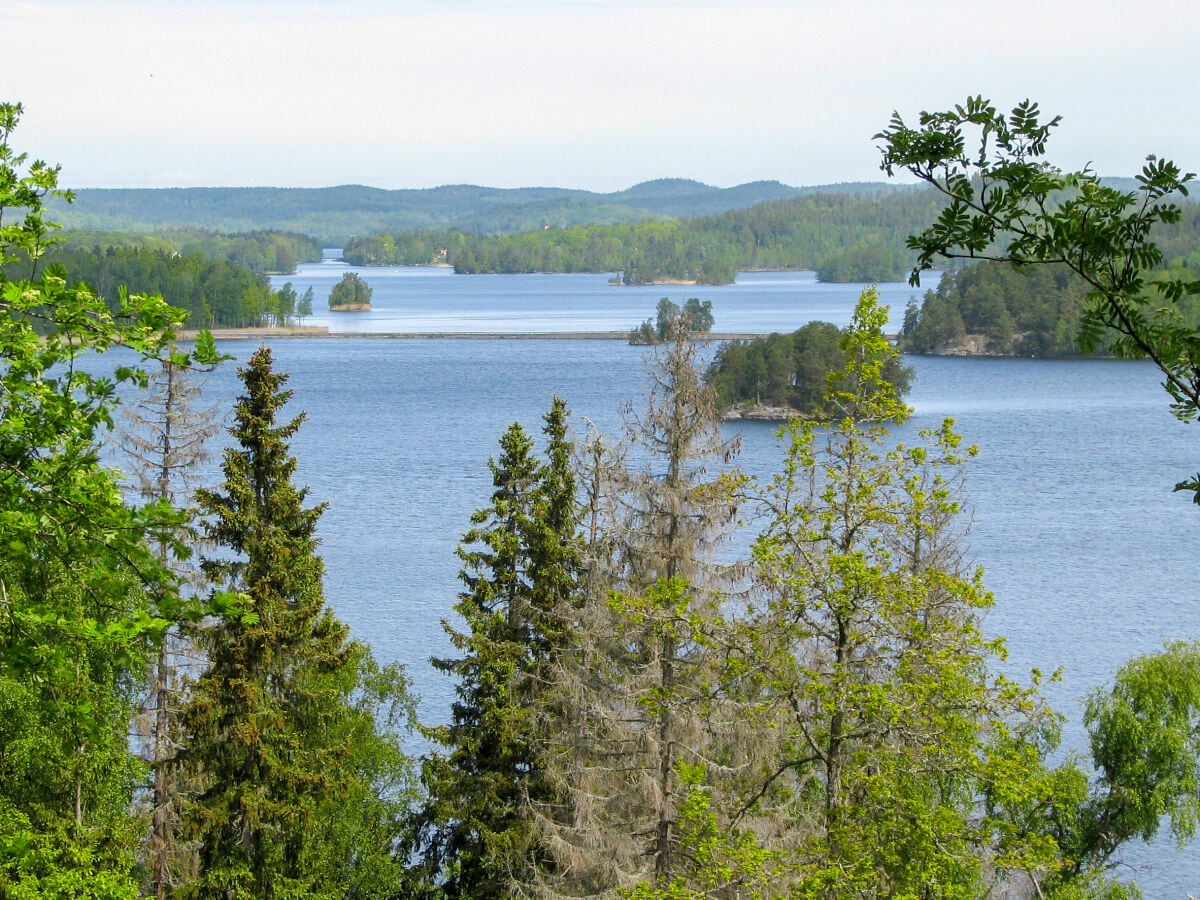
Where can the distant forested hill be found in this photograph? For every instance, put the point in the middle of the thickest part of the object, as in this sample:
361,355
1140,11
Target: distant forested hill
333,215
858,235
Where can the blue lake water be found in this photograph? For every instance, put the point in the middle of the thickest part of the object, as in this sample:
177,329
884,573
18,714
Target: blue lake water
432,299
1088,552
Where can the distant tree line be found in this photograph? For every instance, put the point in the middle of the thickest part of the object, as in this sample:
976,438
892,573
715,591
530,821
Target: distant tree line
845,237
262,252
335,214
216,293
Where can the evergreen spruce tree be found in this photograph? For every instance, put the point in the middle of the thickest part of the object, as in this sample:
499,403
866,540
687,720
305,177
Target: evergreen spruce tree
281,725
520,563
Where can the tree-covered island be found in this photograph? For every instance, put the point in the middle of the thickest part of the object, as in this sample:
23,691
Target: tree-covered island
783,376
351,294
695,317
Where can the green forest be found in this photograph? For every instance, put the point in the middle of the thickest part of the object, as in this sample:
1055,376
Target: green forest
333,215
845,237
636,715
790,371
220,280
991,307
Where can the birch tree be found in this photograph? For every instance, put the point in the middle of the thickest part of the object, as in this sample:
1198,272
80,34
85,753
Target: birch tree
76,574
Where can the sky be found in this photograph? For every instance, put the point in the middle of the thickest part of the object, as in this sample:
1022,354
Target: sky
590,94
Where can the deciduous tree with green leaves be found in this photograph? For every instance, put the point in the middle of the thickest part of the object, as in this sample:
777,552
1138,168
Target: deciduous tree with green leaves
1007,202
895,732
82,594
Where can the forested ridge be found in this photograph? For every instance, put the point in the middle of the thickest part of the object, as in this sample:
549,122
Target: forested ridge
845,237
636,715
334,214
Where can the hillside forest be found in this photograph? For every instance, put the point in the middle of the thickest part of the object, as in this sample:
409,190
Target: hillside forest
636,715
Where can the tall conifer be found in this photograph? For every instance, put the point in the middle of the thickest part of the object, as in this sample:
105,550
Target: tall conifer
165,434
644,688
280,727
520,563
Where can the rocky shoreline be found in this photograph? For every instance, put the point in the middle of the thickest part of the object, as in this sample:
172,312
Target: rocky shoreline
759,413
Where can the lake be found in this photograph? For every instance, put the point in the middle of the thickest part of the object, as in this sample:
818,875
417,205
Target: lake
429,299
1088,552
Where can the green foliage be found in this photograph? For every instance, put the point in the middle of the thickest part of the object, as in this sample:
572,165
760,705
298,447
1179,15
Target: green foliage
1006,202
716,863
851,236
262,252
301,787
475,834
1145,742
334,215
644,335
872,648
76,575
408,248
351,292
216,293
864,263
693,318
1019,311
792,371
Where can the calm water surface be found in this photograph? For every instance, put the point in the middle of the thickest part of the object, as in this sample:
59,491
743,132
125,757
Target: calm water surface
1088,552
429,299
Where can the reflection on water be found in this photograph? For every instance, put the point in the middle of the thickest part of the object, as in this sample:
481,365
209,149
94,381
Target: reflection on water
435,300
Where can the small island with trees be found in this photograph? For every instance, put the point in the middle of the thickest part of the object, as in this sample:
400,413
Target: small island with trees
784,376
351,294
696,316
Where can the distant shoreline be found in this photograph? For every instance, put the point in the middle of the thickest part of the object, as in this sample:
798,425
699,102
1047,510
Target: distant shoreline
322,331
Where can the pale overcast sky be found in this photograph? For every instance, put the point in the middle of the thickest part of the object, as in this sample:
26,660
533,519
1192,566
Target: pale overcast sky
595,94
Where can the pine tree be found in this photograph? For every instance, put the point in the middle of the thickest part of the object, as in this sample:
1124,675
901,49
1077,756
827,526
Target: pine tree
165,435
281,725
520,562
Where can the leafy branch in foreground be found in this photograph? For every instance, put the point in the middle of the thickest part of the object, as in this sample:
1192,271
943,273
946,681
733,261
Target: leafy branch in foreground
1008,203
